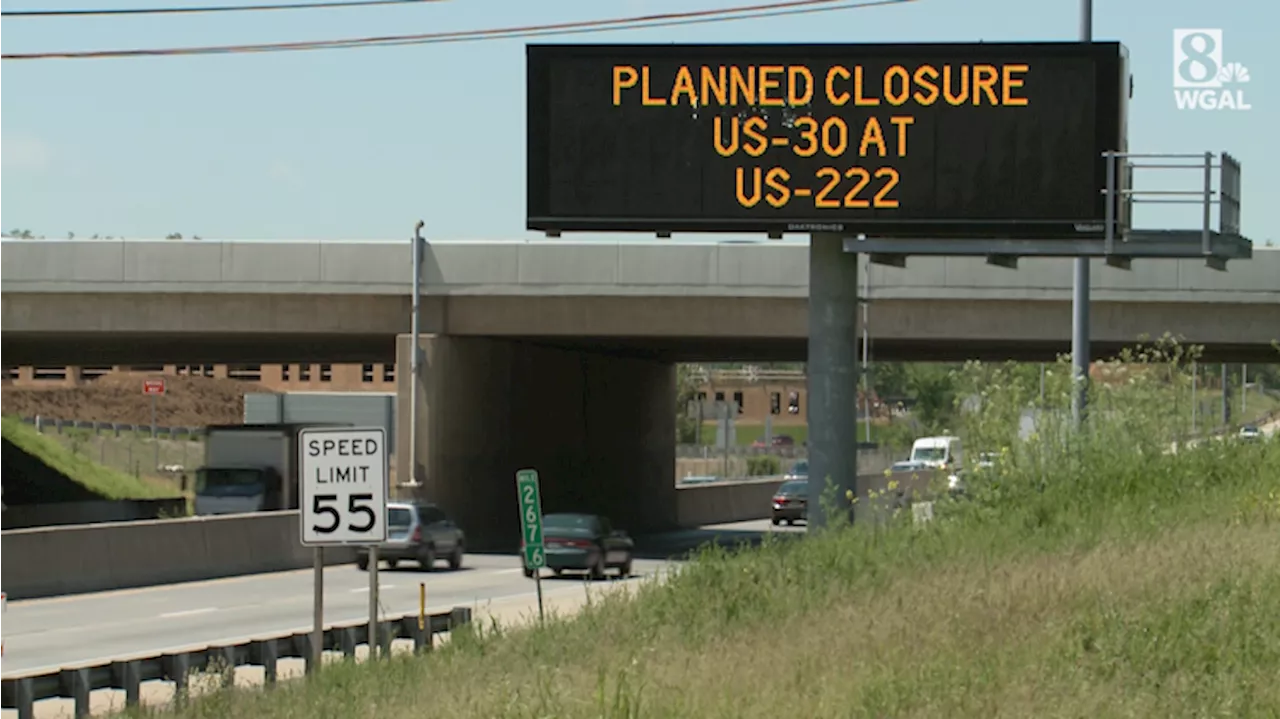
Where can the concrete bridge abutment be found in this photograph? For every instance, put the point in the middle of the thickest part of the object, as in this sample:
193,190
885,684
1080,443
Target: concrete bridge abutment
600,430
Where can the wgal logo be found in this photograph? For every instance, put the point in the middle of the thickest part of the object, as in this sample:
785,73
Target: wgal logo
1201,80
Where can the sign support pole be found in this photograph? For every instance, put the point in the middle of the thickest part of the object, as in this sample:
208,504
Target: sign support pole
373,602
833,375
1080,289
537,583
724,449
317,629
155,442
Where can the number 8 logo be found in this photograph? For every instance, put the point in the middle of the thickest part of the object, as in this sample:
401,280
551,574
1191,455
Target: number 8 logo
1197,49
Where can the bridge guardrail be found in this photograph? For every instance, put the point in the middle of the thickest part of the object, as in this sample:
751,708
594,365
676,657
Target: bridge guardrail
20,692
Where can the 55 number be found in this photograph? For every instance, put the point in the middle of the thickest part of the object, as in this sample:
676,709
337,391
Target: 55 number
357,504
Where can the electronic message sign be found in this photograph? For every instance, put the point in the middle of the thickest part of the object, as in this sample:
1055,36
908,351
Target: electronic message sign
936,140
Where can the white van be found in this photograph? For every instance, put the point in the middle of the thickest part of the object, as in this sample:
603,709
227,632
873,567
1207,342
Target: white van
937,452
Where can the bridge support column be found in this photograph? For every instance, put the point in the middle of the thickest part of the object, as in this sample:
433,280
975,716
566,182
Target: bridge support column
599,429
833,373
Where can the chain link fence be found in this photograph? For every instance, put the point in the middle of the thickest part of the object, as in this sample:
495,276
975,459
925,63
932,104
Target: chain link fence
172,454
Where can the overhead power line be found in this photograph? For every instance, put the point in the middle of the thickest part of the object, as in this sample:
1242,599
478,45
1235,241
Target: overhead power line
206,8
745,12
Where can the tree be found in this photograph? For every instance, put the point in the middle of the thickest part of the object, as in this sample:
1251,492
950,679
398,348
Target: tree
687,429
173,236
934,388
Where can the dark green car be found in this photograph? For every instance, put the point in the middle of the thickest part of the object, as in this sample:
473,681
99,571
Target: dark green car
588,543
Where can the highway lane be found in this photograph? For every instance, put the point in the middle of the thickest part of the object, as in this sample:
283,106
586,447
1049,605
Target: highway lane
45,634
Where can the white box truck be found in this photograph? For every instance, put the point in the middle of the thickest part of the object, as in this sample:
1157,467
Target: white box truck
250,468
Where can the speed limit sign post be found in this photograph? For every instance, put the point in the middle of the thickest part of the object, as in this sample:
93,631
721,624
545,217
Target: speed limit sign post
343,489
535,555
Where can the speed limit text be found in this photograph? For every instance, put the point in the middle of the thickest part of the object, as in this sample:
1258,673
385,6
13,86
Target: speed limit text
350,472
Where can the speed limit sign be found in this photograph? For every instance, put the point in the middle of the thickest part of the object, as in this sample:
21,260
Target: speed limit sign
343,485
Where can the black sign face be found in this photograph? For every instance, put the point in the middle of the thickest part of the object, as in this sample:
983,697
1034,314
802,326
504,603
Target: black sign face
944,140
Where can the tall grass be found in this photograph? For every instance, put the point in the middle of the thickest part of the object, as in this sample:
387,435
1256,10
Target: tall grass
1086,574
104,481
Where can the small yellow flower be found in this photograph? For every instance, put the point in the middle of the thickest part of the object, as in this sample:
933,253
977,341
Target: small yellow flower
893,484
888,473
848,494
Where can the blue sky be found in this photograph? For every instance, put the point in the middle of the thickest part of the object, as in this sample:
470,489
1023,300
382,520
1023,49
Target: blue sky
359,144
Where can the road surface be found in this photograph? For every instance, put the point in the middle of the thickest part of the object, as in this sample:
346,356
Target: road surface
47,634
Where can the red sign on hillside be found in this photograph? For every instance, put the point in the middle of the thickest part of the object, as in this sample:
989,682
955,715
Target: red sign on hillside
153,386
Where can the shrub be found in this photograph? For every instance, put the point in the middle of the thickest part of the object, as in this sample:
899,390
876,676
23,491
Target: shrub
763,465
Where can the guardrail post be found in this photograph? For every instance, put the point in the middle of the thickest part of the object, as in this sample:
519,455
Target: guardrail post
347,641
226,665
75,684
421,636
388,630
128,676
309,656
177,668
25,698
266,653
459,616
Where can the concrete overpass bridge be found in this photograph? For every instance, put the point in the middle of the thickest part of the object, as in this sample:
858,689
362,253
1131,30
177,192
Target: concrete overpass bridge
120,302
558,355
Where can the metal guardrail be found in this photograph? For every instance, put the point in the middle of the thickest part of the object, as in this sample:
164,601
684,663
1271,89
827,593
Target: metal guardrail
77,682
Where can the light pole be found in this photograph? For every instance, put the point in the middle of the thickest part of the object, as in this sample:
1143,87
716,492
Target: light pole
866,348
1080,289
415,350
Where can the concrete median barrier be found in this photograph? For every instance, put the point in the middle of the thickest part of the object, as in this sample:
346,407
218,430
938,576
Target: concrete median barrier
723,502
52,561
22,516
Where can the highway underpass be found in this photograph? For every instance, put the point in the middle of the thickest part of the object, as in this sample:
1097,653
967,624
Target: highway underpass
559,355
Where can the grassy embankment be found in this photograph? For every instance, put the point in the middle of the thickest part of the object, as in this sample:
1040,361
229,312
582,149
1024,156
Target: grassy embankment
104,481
1094,575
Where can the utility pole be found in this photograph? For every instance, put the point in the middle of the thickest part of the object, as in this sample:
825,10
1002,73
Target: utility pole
1226,397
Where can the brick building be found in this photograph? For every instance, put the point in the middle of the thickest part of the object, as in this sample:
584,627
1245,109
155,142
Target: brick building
282,378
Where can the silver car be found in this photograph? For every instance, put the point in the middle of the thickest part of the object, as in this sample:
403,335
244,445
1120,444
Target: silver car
418,532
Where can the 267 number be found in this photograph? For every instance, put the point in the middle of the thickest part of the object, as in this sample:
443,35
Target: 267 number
357,504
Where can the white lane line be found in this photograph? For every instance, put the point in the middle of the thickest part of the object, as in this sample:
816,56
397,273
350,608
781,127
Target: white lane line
188,612
357,590
508,571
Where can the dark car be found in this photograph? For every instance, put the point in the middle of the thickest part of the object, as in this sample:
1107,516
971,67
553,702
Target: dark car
584,543
791,502
418,532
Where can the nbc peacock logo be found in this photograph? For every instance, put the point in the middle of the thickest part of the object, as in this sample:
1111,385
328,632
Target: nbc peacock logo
1201,79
